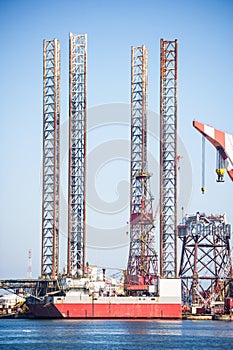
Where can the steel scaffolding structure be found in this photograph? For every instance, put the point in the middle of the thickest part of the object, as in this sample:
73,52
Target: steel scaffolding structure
205,266
51,152
168,157
142,262
77,156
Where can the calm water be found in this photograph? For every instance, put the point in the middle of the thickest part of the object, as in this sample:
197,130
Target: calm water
60,334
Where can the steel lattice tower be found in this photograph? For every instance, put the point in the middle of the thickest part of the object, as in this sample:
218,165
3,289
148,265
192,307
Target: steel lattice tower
51,151
205,266
142,263
168,156
77,156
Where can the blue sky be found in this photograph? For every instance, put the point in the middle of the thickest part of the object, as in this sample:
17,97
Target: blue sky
204,30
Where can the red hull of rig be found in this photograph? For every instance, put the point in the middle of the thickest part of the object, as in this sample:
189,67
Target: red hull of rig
107,311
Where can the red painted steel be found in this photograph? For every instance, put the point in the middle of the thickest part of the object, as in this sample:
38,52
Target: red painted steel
221,141
107,310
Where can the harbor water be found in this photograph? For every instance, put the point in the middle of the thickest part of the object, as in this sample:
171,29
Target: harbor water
124,335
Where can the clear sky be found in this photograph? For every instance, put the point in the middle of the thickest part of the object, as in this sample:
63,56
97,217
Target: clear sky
204,30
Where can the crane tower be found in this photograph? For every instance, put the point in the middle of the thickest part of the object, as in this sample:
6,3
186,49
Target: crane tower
51,158
77,156
142,262
168,158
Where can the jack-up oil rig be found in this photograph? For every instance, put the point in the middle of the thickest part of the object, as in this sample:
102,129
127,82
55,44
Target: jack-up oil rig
152,285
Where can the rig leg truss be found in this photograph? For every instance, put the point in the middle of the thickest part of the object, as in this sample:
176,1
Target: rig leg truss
168,157
51,151
142,263
77,156
205,266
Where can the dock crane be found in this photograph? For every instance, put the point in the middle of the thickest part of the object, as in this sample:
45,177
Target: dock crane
223,143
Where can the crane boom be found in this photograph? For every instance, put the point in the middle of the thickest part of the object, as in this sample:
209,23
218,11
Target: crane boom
222,141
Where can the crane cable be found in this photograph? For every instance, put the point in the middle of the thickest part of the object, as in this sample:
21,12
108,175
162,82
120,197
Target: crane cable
203,188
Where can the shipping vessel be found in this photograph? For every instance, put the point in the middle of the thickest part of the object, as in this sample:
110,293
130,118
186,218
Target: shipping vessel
100,298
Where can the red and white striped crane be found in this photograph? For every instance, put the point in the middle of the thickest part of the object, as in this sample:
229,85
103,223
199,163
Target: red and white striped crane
223,143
